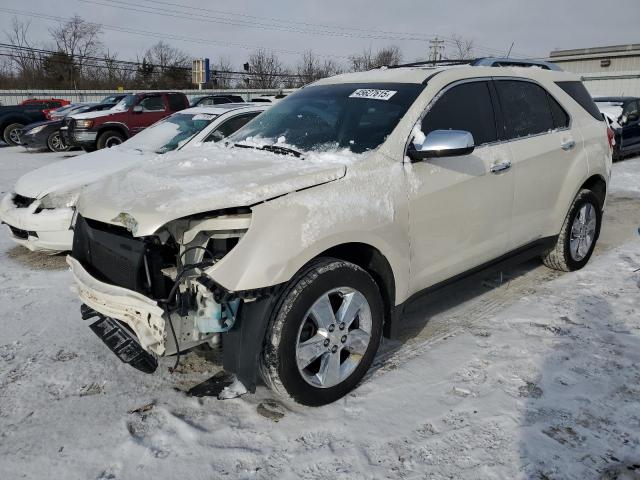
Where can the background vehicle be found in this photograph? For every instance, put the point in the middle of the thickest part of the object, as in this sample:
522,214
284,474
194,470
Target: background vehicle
268,98
39,210
215,100
300,244
47,134
625,115
132,114
14,118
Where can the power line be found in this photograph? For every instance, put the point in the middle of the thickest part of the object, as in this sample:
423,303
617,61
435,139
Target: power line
392,35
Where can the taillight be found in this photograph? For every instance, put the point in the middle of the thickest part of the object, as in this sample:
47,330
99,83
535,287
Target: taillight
611,137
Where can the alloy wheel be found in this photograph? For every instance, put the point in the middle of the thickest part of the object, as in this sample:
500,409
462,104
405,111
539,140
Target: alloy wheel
583,231
333,337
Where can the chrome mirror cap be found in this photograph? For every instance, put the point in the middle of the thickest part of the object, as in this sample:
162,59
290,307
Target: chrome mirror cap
442,143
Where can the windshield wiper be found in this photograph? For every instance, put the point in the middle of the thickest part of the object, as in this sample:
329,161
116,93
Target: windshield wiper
272,148
282,150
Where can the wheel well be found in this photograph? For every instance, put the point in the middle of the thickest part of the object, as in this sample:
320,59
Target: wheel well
115,128
598,186
370,259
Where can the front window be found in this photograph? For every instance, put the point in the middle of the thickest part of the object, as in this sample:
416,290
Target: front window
126,103
358,117
170,133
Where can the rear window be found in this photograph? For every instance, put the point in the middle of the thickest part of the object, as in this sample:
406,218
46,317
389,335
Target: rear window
176,102
577,91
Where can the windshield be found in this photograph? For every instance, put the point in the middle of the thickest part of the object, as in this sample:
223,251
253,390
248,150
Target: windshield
170,133
358,117
126,103
111,99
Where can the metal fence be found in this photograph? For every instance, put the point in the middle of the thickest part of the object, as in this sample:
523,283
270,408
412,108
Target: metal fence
12,97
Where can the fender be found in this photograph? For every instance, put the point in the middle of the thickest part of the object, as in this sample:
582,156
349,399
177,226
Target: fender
119,126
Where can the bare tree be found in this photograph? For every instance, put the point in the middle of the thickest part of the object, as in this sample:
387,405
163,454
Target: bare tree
78,39
310,68
223,79
266,70
462,48
23,57
368,60
170,66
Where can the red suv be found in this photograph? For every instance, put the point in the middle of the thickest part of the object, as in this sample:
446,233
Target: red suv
134,113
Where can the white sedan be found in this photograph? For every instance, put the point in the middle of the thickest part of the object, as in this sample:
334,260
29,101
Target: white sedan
39,212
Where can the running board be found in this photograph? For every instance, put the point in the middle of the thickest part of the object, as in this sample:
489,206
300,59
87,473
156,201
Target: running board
120,341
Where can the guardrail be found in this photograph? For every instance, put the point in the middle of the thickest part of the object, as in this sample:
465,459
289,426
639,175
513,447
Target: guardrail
12,97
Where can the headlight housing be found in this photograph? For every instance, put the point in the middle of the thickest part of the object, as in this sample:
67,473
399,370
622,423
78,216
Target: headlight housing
59,200
84,123
37,129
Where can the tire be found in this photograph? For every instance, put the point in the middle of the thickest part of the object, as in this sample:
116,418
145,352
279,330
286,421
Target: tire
345,346
11,132
55,143
582,227
109,139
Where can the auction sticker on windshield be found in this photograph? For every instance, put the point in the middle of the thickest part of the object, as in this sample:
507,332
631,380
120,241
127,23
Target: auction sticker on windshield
373,94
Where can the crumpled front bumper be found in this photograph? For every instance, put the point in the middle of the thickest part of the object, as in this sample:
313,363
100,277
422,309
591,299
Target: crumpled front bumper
141,314
44,230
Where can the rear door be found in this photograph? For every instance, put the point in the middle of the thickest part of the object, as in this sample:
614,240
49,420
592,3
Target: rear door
460,207
543,148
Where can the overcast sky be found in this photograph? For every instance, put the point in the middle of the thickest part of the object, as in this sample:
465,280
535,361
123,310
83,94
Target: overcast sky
536,26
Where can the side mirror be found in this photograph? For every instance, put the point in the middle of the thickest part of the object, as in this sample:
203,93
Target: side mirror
442,143
137,109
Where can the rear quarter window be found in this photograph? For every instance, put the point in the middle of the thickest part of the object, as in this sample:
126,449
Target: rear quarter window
577,91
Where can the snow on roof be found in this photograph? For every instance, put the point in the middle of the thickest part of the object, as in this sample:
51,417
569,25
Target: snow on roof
222,108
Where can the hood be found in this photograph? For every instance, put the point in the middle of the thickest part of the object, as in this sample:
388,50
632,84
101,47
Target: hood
179,184
96,114
76,172
45,122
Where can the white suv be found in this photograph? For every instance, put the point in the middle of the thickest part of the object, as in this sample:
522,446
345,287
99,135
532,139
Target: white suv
298,243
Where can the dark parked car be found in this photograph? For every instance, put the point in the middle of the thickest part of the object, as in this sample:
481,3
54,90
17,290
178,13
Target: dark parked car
203,100
135,112
14,117
47,134
625,115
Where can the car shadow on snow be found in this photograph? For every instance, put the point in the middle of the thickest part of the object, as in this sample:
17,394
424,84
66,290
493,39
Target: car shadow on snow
580,418
456,307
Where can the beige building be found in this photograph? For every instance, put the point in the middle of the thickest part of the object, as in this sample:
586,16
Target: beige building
606,71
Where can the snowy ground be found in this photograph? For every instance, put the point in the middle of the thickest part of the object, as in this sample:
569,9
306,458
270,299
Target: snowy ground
530,375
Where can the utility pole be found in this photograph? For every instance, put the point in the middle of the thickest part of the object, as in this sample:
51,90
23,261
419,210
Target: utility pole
436,47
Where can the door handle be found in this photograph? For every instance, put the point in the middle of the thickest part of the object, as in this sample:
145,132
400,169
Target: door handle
568,145
500,167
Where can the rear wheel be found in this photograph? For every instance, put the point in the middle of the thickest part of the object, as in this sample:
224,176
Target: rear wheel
109,139
56,144
11,133
324,333
579,234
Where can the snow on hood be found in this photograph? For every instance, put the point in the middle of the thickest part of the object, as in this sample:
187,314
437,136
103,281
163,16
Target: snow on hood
74,173
95,114
179,184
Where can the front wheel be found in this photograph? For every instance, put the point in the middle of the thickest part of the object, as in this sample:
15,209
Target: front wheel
109,139
578,236
324,333
11,134
56,144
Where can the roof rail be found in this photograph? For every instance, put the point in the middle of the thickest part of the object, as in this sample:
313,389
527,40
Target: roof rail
483,62
513,62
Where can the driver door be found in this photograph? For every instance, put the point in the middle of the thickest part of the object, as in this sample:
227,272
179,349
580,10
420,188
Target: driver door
154,108
460,207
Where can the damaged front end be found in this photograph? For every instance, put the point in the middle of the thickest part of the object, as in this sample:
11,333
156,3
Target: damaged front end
152,296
